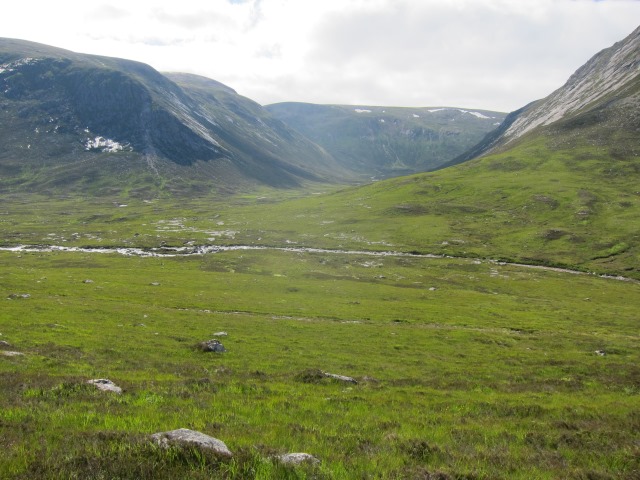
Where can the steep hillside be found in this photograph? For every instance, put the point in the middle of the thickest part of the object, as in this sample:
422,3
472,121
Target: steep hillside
388,141
81,121
600,100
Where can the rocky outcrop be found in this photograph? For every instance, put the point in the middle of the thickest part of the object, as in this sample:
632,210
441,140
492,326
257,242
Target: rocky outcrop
341,378
105,385
184,436
15,296
212,346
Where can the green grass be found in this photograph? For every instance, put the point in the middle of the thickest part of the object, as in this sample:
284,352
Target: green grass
466,369
574,206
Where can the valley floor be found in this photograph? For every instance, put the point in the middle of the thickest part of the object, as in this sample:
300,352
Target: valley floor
465,368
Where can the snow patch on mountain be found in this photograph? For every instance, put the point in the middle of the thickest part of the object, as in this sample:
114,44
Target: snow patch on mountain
104,145
361,110
12,66
475,114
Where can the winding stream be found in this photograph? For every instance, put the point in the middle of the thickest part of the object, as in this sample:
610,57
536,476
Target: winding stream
208,249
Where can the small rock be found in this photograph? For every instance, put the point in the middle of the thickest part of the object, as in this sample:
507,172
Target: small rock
12,354
342,378
297,458
87,281
4,343
105,385
601,353
14,296
184,436
155,284
212,346
432,289
220,334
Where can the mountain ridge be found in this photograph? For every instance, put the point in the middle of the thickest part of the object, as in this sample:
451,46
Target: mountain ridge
384,141
125,109
609,81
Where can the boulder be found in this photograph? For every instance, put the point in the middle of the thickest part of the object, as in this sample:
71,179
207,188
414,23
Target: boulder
105,385
341,378
297,458
212,346
184,436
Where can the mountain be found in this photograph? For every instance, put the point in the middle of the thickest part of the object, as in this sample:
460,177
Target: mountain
388,141
600,100
557,184
70,120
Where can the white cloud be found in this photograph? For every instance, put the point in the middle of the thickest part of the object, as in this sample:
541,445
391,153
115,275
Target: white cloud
481,54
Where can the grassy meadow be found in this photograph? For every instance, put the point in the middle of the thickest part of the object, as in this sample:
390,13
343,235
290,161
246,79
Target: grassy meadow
467,368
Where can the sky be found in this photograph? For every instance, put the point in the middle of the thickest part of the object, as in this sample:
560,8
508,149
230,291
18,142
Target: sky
482,54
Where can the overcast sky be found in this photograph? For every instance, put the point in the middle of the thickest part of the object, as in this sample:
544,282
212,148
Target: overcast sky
482,54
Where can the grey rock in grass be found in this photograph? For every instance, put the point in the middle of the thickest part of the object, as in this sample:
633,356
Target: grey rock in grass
212,346
184,436
15,296
341,378
4,343
88,280
297,458
220,334
105,385
12,354
600,353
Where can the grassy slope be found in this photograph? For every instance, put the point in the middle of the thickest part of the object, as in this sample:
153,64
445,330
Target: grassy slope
537,203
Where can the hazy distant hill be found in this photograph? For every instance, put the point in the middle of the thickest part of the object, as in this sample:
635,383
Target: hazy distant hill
70,120
389,141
